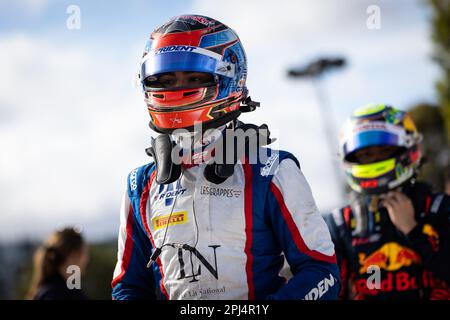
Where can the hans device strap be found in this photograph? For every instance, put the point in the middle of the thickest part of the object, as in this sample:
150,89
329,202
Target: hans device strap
222,167
161,151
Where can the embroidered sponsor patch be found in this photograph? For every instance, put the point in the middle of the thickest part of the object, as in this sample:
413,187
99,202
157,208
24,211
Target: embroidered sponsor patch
322,287
220,192
267,169
133,182
176,218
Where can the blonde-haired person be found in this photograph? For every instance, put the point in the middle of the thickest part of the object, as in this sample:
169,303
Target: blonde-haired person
62,249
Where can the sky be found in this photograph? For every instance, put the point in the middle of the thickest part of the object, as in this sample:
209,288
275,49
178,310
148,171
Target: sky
72,125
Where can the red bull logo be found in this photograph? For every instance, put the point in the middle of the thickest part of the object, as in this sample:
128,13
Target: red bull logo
433,236
391,257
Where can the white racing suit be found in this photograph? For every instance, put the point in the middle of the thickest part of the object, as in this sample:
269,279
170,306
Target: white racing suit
225,241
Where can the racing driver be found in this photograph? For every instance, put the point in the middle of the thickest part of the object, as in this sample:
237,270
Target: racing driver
197,227
392,241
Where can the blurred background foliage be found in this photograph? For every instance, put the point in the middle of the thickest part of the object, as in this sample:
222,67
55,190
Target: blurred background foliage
431,124
433,121
440,34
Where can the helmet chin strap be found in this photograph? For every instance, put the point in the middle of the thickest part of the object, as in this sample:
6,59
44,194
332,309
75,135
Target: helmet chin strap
364,204
163,148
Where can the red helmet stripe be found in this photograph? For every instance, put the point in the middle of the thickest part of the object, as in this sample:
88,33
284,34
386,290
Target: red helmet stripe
180,38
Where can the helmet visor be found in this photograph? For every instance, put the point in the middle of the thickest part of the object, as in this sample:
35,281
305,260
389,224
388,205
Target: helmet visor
184,58
373,134
370,139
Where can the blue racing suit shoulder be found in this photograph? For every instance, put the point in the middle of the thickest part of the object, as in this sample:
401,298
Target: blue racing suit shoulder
132,279
137,179
298,228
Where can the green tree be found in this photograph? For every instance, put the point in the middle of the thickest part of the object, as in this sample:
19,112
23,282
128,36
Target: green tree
440,33
430,122
99,272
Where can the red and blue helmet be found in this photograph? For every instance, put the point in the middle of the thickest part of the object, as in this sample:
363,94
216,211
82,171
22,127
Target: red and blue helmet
194,43
380,125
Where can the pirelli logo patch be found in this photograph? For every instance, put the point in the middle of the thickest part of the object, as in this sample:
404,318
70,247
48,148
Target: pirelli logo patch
176,218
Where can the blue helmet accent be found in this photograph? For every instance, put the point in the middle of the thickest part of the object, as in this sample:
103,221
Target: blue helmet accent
370,138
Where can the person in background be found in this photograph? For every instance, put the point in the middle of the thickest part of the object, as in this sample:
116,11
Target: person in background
393,240
62,249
